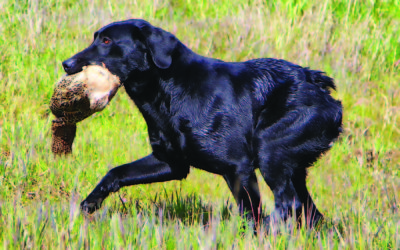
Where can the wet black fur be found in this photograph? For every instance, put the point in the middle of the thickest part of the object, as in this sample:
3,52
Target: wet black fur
228,118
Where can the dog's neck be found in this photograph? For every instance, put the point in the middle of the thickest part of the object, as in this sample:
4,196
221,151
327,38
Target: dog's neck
154,90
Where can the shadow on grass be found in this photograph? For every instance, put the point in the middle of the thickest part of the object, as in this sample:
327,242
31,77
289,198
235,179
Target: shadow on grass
187,209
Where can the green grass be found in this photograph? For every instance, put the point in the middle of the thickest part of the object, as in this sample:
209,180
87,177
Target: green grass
356,185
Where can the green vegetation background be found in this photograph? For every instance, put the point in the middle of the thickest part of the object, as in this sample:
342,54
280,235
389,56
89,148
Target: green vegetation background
356,185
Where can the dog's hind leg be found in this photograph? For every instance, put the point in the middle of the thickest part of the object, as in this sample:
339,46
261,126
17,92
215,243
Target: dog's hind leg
244,188
278,178
312,215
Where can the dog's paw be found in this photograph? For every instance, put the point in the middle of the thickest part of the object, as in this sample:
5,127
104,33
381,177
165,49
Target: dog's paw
88,207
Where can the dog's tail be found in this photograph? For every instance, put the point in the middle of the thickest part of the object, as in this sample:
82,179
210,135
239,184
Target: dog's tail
319,78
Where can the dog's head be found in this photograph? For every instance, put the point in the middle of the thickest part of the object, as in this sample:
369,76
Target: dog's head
124,47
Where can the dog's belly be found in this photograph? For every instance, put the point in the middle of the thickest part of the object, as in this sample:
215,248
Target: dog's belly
218,154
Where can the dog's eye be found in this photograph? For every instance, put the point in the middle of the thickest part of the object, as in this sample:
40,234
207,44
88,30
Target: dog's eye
106,40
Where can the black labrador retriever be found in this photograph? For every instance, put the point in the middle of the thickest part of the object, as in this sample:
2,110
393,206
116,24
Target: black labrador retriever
228,118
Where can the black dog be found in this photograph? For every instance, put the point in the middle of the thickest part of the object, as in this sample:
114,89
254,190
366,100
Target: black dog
223,117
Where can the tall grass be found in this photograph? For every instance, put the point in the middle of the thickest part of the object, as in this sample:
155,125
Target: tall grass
356,185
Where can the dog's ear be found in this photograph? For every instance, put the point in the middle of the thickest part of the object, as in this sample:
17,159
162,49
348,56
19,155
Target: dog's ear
161,45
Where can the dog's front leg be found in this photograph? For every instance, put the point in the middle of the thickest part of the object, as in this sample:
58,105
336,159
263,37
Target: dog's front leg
146,170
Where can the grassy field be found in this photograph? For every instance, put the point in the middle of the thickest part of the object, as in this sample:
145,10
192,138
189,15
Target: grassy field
356,185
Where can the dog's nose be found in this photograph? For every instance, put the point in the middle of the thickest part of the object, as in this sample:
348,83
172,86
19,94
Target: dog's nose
69,66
